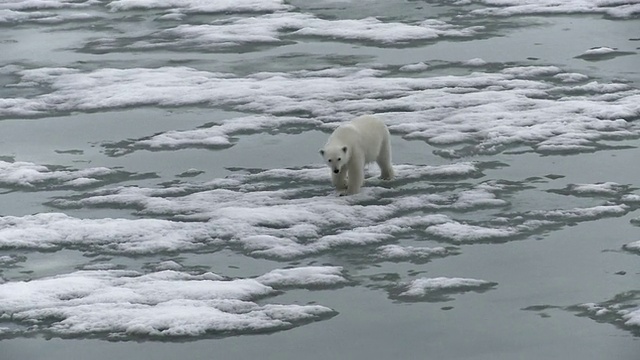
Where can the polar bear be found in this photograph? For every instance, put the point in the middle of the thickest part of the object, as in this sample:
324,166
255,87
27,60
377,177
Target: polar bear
352,145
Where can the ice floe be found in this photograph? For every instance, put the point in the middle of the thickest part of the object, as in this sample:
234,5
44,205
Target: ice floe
632,246
45,4
21,174
519,225
280,28
571,77
597,189
200,6
607,188
248,211
197,6
166,304
402,253
254,214
482,113
417,67
622,311
10,260
55,230
602,53
613,8
599,51
47,11
311,276
587,213
217,135
439,288
10,17
475,62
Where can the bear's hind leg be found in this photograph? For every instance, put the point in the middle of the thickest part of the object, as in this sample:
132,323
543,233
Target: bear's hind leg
384,161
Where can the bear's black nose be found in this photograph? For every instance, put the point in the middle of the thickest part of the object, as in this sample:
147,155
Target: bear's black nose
335,171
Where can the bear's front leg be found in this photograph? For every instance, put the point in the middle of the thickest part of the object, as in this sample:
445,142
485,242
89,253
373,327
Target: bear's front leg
339,180
356,177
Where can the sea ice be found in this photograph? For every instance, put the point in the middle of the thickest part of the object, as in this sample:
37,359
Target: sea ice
614,8
622,310
278,27
118,303
401,253
30,175
417,67
262,219
482,113
602,53
201,6
52,230
598,189
633,246
310,276
422,287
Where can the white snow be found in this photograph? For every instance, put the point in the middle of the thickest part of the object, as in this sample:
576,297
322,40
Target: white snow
582,213
45,4
245,211
116,303
271,223
30,175
218,135
310,276
632,318
571,77
397,252
280,26
373,29
423,286
481,113
602,52
633,246
47,11
628,317
475,62
631,198
520,225
606,188
599,51
9,260
201,6
417,67
614,8
52,230
168,265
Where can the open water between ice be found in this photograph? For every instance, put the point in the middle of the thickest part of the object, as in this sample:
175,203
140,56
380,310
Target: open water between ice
161,194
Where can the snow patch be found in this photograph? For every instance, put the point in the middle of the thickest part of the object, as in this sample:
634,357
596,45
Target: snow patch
310,276
422,287
480,113
167,304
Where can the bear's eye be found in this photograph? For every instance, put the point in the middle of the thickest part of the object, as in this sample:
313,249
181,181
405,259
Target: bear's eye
339,159
329,160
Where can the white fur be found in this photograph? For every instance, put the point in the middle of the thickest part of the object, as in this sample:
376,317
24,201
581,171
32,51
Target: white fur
352,145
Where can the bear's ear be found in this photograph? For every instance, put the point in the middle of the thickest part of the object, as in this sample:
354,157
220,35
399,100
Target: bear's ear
344,149
321,152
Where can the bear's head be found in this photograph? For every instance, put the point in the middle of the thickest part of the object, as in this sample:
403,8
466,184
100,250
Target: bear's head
336,157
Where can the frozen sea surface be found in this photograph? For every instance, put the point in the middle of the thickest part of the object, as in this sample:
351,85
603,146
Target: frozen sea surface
161,192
